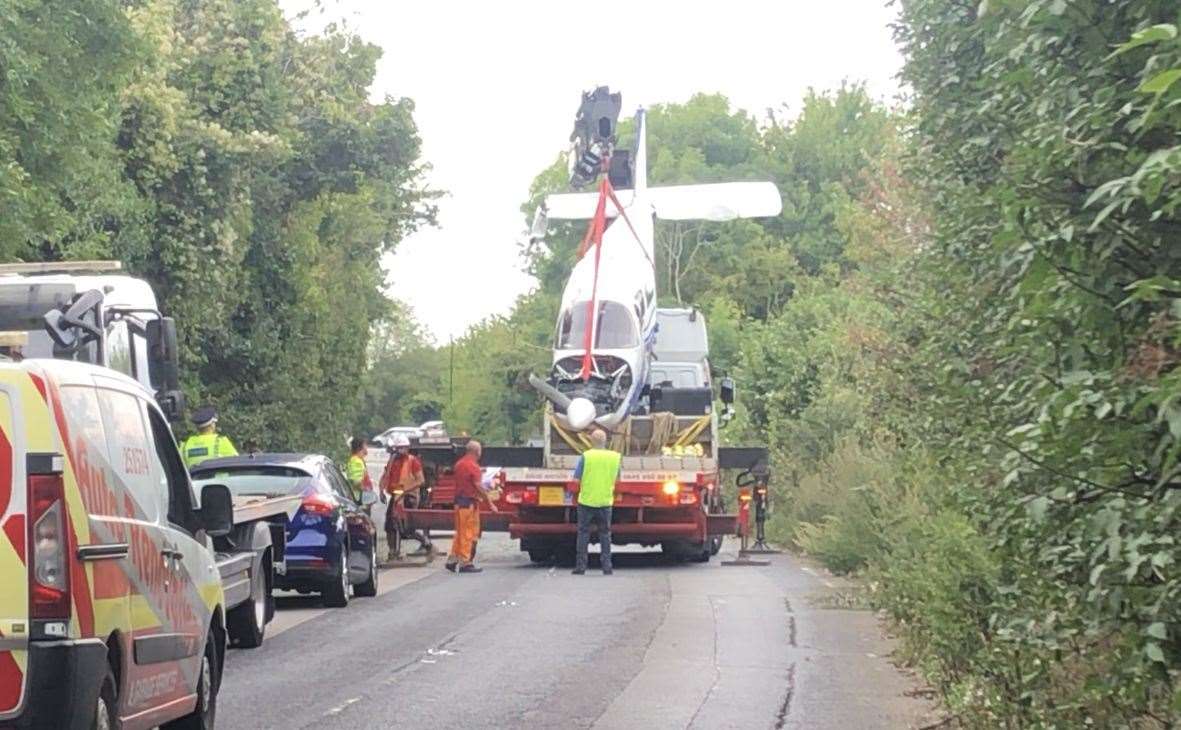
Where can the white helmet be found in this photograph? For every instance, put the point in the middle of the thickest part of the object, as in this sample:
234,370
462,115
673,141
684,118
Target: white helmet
399,441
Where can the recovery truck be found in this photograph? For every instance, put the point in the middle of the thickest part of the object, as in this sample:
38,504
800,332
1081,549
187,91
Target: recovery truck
670,493
92,312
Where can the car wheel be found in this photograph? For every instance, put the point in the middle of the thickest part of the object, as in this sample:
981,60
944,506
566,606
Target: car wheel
202,717
368,589
107,705
247,623
336,595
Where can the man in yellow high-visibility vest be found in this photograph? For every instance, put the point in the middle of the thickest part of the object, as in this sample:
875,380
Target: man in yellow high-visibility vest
597,473
207,443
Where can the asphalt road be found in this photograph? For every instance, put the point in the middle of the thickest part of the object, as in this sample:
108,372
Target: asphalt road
656,645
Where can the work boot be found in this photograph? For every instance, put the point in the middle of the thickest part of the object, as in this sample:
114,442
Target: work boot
607,571
469,568
578,571
451,566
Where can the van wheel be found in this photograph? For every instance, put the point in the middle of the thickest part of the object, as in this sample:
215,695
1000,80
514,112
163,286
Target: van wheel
336,595
368,589
247,623
203,715
107,707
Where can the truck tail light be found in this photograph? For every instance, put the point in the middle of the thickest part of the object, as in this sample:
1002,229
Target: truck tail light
670,488
49,575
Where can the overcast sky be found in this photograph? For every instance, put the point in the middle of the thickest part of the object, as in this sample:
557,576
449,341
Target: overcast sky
496,86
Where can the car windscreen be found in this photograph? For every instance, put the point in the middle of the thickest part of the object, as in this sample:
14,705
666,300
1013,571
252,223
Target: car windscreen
616,327
253,480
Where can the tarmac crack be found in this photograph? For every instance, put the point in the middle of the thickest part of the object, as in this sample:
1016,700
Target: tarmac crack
785,706
713,608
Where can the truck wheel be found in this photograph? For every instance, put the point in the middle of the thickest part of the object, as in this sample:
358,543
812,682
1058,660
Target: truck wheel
368,589
704,554
336,595
715,545
203,715
247,623
107,706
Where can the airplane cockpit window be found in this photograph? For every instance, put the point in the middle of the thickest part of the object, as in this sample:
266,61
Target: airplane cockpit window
617,328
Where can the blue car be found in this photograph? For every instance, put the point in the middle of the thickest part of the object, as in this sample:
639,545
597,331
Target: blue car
331,540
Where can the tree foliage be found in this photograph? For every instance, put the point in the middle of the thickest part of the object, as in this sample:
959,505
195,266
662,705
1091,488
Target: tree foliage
239,167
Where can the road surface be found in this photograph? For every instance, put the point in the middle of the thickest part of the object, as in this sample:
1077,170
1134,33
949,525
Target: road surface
653,646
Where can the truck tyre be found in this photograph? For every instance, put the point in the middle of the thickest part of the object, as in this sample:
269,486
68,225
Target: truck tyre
107,707
203,715
368,589
336,594
715,545
247,623
703,554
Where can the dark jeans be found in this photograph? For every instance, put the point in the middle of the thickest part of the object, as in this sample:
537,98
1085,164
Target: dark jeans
601,516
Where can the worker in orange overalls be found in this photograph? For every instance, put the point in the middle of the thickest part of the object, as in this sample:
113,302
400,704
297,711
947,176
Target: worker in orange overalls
402,480
469,492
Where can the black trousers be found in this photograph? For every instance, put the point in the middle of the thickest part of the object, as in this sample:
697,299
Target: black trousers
601,516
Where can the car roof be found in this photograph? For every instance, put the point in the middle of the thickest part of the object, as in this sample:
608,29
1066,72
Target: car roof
307,462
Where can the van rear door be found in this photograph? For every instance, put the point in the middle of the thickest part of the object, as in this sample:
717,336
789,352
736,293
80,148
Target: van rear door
14,575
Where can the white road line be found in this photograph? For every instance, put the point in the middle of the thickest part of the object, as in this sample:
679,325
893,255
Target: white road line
340,708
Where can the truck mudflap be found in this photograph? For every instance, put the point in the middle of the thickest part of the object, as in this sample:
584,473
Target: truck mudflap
723,525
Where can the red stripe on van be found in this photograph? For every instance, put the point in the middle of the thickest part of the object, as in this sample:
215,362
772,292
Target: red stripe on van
5,472
11,682
14,527
79,586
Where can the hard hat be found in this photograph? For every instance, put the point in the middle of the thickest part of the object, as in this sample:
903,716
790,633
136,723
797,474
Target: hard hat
204,416
399,440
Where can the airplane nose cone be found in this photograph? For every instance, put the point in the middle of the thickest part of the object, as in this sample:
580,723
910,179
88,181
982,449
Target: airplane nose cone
580,414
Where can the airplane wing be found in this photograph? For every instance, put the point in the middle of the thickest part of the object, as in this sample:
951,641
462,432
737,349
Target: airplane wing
717,201
712,202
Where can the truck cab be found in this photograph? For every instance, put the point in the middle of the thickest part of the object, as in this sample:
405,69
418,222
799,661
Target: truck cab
91,312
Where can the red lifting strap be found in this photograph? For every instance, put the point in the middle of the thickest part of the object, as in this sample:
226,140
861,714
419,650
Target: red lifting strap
594,237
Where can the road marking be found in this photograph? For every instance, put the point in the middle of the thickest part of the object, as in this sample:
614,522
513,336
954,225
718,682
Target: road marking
299,609
341,708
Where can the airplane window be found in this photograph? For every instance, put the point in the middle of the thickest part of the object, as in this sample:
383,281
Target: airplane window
617,329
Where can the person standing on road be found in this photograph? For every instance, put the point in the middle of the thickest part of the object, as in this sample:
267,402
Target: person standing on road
402,480
469,492
207,443
356,472
597,473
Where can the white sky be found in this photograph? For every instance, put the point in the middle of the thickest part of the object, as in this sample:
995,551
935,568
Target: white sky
496,86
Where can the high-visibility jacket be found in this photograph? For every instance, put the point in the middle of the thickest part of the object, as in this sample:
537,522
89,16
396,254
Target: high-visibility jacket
597,472
202,446
357,475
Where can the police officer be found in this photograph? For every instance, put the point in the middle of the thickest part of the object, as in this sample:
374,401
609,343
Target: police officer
207,443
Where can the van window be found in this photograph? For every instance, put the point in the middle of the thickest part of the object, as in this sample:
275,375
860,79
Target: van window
170,470
129,445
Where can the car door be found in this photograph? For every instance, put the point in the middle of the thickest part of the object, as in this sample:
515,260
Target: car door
359,525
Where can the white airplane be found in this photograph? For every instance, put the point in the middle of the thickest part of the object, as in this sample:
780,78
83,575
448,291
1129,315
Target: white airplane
620,307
